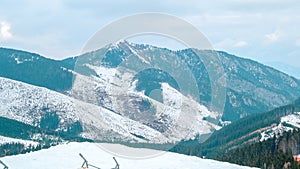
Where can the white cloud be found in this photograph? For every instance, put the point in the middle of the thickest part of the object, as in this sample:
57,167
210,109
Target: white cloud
230,43
240,44
297,43
5,31
273,37
247,28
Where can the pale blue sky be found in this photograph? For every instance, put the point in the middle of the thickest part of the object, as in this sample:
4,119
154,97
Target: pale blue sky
266,31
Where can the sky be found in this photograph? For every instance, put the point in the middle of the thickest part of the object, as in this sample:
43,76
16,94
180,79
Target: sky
266,31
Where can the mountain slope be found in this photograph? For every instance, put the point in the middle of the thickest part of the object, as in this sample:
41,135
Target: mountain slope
254,128
54,111
18,138
119,81
276,152
66,156
34,69
251,87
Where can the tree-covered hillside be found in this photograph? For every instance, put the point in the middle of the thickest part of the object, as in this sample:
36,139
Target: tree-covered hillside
44,137
273,153
36,70
238,134
251,87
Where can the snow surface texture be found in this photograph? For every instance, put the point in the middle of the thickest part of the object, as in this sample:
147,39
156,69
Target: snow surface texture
108,105
177,117
293,120
99,122
67,157
27,103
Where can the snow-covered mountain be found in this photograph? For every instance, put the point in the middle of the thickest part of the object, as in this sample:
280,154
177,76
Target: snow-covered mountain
67,157
92,121
120,93
124,81
117,89
249,87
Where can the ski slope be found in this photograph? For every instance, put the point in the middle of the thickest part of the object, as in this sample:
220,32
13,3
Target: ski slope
67,157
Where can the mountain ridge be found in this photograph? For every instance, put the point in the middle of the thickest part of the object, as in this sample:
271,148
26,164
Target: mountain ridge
251,87
62,79
253,129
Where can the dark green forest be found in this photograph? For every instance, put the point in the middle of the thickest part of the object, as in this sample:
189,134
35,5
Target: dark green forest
239,142
8,149
273,153
236,134
14,129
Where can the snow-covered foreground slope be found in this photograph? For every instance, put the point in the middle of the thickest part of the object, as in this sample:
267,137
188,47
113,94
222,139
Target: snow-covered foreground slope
66,157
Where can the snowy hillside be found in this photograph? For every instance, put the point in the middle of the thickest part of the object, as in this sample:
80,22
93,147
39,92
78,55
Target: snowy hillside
27,103
164,109
31,104
250,85
67,157
96,121
287,123
292,119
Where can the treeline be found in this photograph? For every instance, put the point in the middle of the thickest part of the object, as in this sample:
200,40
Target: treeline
274,153
235,135
8,149
15,129
39,72
46,137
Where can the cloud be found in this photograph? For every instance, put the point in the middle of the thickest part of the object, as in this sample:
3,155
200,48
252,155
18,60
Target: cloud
230,43
297,43
246,28
240,44
273,37
5,31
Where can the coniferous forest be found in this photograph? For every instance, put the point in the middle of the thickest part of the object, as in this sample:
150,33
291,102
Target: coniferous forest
274,153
